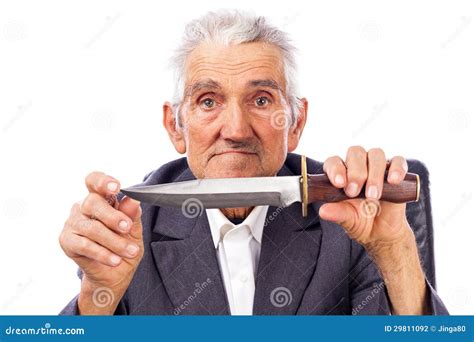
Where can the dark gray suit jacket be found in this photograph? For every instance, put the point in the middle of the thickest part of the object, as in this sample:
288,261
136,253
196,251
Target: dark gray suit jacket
307,266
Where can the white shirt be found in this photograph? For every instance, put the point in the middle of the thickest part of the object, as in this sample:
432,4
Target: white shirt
238,251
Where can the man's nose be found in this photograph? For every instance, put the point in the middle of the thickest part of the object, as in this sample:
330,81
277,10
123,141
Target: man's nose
236,125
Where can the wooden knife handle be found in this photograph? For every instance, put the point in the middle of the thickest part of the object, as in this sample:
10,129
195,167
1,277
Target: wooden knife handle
321,189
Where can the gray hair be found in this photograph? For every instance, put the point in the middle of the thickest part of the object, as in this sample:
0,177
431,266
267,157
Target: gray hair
235,27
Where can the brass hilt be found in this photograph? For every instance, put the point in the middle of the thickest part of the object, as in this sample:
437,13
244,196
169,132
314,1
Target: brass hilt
304,187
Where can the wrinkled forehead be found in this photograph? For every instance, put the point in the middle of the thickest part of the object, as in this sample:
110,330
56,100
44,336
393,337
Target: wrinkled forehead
235,67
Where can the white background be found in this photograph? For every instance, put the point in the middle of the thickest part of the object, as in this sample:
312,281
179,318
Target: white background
82,85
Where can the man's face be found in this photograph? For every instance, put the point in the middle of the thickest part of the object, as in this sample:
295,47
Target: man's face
235,115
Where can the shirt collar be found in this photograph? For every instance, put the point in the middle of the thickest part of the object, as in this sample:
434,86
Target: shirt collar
255,221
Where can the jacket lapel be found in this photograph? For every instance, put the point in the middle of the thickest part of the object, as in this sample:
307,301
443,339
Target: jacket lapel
186,259
290,249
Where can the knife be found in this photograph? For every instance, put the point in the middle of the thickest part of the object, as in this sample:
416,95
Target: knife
275,191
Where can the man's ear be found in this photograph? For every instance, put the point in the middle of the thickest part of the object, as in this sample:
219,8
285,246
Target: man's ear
295,130
175,132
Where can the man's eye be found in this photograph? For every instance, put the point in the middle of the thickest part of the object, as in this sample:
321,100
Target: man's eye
262,101
208,103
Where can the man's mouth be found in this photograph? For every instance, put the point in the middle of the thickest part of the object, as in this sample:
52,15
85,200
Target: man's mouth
234,151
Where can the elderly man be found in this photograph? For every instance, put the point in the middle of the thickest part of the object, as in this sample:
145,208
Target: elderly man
236,114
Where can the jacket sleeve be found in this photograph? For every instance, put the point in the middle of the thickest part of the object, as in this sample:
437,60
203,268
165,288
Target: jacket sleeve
437,306
71,308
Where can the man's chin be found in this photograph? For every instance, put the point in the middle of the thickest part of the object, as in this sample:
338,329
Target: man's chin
231,173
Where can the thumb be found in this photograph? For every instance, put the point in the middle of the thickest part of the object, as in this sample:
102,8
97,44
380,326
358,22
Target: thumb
132,209
341,213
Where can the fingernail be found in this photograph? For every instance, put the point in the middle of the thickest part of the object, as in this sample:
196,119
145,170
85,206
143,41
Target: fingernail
339,180
115,259
352,189
405,166
132,249
394,176
373,192
123,226
112,186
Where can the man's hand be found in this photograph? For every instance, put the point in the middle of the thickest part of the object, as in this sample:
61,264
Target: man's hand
104,238
367,221
381,227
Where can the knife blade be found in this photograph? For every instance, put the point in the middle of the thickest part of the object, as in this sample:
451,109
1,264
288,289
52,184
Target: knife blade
252,191
222,192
